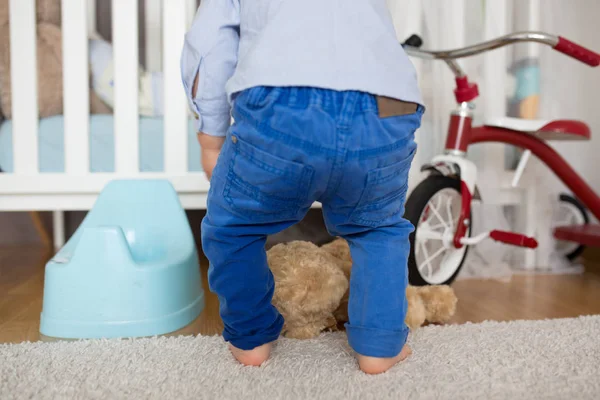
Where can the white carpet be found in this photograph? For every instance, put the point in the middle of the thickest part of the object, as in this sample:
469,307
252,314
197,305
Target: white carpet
554,359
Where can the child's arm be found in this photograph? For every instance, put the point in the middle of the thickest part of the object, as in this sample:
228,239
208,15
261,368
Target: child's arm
208,60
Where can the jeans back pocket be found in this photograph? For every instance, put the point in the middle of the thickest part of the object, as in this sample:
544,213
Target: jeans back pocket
264,187
384,193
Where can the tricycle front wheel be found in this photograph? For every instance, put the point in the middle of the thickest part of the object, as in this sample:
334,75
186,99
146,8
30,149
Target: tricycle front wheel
434,209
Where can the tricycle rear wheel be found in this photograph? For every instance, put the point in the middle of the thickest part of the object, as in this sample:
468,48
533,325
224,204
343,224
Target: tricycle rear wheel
570,212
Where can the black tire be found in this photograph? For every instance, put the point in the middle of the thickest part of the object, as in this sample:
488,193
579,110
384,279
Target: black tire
415,205
565,198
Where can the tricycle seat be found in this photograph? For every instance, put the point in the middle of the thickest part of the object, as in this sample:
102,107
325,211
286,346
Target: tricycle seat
560,129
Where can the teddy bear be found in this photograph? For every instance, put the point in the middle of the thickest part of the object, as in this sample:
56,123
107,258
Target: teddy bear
49,62
309,284
312,289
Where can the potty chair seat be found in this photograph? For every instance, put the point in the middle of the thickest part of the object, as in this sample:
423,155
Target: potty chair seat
131,269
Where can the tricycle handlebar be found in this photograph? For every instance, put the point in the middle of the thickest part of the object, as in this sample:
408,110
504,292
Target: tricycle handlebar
556,42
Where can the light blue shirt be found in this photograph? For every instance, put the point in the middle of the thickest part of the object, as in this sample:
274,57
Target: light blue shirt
331,44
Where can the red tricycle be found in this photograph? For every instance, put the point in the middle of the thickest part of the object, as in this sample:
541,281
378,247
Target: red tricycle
440,206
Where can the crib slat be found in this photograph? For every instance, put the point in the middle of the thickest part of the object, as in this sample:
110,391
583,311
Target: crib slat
23,66
76,86
192,8
175,105
153,35
126,108
91,16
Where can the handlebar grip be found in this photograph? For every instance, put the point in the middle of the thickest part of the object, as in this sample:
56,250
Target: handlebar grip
578,52
414,41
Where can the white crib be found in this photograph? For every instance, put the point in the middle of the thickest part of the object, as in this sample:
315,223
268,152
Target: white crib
28,189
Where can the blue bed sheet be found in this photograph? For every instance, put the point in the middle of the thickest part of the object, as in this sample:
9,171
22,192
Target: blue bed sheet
102,145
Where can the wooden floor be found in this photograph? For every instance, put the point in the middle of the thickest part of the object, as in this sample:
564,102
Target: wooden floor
524,297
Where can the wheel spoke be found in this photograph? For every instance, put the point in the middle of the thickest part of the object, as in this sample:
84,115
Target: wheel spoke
449,210
428,234
429,259
438,215
429,267
438,226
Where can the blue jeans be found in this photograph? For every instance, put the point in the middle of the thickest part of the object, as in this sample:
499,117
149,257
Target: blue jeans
288,148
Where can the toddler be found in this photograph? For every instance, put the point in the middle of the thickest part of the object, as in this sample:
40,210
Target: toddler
325,104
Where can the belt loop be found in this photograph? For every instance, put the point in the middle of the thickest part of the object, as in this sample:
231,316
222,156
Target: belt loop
349,100
293,95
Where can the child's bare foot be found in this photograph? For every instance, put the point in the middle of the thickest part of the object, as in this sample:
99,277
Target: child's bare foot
254,357
374,365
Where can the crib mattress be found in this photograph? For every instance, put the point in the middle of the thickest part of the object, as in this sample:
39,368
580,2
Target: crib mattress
102,149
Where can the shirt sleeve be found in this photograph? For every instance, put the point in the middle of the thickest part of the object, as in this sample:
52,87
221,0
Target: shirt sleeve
210,50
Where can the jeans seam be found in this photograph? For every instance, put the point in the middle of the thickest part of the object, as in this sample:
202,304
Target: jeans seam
359,154
264,166
335,180
384,200
356,213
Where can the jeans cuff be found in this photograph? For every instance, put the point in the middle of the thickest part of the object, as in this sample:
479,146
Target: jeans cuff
379,343
255,340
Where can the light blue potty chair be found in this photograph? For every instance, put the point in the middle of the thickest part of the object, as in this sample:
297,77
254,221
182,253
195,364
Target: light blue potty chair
130,270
